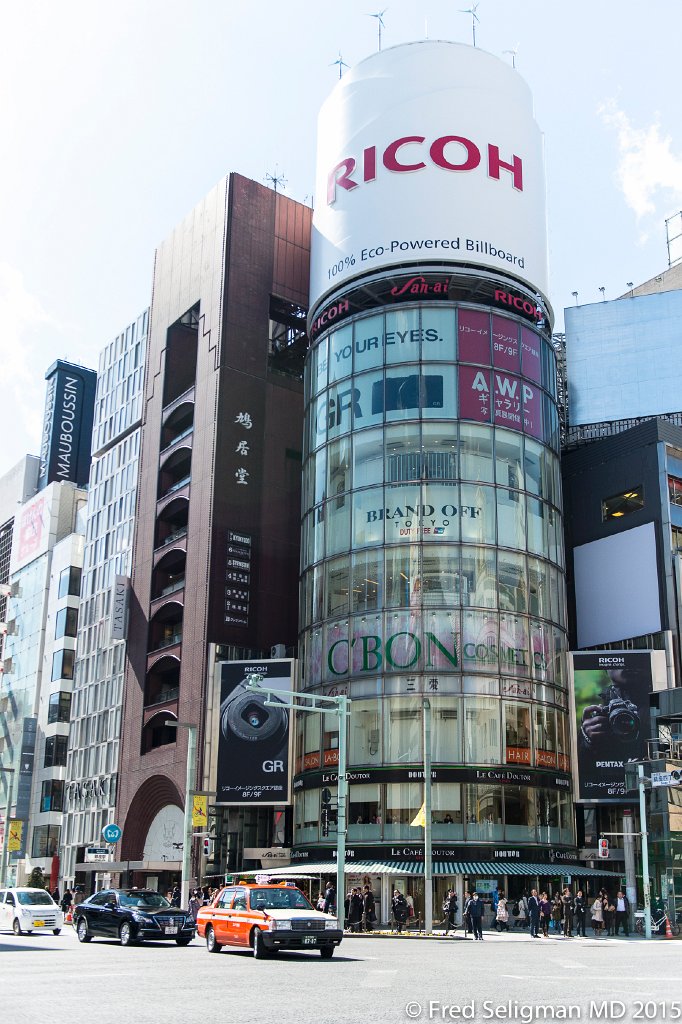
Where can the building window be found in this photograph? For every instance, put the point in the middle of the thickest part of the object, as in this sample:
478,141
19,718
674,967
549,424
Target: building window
675,490
59,708
52,796
45,841
66,623
55,752
62,664
622,504
70,582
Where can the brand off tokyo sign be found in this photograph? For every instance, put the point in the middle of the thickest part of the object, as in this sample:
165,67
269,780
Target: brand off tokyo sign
428,153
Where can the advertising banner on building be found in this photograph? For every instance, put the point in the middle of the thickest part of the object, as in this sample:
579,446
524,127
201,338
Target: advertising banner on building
67,424
428,152
611,690
253,740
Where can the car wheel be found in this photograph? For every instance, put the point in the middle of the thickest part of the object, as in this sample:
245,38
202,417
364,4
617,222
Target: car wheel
82,930
125,933
212,944
326,952
184,941
56,931
259,949
16,927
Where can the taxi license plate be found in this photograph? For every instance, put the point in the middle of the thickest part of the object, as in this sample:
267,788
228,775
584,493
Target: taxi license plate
171,929
309,940
38,924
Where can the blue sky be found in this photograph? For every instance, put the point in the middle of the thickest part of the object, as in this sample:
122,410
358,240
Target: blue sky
116,120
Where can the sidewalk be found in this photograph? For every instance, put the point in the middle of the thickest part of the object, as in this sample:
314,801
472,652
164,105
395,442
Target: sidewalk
517,935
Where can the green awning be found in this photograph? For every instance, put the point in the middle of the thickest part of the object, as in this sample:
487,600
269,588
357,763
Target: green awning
440,868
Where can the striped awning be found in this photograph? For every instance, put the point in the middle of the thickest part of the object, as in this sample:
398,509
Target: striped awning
440,868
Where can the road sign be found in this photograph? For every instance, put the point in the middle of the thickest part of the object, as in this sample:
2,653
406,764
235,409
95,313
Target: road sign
673,778
111,833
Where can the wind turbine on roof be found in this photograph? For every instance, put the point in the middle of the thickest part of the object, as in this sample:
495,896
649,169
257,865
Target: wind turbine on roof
474,18
341,62
380,21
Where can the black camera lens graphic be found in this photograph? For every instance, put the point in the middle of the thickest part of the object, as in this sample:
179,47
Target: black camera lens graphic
624,723
254,716
245,717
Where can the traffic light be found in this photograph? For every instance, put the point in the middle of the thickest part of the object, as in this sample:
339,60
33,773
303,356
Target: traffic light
208,846
604,848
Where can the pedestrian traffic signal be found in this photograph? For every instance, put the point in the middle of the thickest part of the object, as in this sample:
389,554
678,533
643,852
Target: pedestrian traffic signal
603,848
208,846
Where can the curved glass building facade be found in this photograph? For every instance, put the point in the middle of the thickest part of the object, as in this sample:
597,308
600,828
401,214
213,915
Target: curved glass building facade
432,566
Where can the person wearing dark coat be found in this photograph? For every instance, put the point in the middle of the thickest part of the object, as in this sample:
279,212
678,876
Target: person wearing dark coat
476,915
66,901
400,909
355,910
368,909
450,910
330,898
579,909
534,913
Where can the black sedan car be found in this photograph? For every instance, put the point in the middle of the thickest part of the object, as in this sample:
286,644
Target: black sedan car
132,915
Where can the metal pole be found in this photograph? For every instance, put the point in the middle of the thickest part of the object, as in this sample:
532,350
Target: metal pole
5,840
630,869
190,785
341,796
645,852
428,846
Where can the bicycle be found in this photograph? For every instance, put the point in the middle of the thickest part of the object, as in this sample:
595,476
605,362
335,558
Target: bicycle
656,923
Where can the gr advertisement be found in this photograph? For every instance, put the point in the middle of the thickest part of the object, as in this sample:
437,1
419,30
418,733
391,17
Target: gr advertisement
254,735
612,719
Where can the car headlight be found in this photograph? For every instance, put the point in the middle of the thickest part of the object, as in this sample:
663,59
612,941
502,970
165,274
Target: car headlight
26,913
331,925
282,926
140,918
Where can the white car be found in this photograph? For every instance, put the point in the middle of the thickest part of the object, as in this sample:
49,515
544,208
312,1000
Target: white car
29,910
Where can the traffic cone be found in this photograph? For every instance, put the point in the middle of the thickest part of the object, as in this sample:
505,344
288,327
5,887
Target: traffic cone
68,917
668,929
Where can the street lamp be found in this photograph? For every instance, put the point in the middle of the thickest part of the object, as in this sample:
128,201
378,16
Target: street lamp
321,706
190,782
5,838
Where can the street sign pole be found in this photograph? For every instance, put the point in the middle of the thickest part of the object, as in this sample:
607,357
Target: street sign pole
645,851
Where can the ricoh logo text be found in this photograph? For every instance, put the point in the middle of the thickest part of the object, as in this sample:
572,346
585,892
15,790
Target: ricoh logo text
449,152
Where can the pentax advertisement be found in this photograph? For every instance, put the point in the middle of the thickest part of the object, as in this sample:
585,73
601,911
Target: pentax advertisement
253,738
612,719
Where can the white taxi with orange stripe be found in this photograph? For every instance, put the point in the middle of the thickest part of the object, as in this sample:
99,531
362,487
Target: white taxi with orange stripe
267,918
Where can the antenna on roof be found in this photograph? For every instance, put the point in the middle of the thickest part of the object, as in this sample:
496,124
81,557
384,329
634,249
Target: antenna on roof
276,179
380,21
474,18
341,62
513,56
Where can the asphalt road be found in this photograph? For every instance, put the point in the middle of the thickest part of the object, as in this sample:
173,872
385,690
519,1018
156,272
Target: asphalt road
47,978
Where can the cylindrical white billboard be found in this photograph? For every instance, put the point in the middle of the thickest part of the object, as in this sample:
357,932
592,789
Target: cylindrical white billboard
428,153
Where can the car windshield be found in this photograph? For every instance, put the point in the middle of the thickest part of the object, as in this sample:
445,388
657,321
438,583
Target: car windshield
146,900
35,899
278,899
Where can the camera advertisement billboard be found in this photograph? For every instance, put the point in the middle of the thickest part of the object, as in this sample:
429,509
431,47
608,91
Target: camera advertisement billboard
611,693
253,738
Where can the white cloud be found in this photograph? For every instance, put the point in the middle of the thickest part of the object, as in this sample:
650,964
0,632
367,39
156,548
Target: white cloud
647,166
24,361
